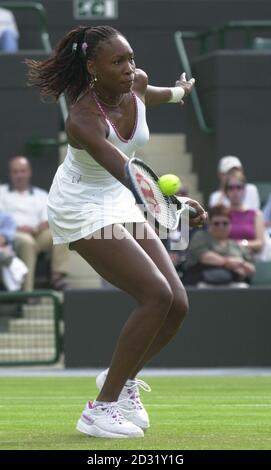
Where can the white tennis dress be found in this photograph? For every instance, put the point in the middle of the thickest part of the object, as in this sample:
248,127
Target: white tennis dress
84,196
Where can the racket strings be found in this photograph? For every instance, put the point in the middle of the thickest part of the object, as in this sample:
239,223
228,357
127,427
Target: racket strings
159,205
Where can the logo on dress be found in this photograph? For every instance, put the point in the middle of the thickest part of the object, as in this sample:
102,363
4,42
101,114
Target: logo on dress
76,179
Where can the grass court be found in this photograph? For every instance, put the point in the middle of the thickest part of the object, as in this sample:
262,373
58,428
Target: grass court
186,413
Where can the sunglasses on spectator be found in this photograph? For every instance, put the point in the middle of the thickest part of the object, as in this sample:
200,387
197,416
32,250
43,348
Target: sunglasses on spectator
223,223
231,187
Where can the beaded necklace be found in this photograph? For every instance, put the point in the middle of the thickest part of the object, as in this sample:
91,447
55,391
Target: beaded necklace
107,104
96,99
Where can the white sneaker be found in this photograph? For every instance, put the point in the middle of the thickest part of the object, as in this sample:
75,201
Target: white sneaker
106,420
129,400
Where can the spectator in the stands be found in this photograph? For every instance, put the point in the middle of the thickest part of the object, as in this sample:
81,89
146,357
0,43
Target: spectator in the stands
251,194
247,225
215,259
9,34
28,207
12,269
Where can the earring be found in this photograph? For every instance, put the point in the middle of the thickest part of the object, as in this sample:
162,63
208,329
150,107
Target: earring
93,81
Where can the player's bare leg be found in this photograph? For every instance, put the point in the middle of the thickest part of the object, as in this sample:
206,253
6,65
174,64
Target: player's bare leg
153,246
130,395
125,264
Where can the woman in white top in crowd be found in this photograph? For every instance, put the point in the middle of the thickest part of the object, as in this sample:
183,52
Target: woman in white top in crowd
219,197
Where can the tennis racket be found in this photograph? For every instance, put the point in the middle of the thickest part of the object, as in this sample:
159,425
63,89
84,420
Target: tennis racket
165,211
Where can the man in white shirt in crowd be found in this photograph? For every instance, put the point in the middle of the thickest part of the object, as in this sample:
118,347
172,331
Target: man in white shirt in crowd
251,197
28,207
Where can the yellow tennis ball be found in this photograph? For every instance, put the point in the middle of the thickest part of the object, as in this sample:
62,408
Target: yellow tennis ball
169,184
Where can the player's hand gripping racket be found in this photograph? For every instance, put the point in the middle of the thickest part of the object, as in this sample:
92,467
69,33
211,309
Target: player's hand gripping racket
164,210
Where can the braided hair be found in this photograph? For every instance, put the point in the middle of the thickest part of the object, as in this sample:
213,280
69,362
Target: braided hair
66,70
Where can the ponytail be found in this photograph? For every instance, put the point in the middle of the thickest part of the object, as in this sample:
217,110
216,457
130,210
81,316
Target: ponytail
66,70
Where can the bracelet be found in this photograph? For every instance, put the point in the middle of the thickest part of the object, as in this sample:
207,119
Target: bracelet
177,93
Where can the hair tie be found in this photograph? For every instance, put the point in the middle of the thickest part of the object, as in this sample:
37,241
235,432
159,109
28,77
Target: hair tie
84,47
74,46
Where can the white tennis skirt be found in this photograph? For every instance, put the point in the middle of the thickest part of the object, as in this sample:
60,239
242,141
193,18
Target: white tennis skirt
80,205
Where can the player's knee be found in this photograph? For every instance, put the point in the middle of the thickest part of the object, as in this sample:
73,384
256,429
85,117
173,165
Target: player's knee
161,296
178,311
180,304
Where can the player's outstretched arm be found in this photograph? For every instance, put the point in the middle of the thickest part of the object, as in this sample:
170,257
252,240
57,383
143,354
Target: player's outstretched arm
161,95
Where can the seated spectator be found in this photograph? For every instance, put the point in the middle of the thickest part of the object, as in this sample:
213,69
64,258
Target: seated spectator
247,225
9,34
28,207
251,195
213,258
13,270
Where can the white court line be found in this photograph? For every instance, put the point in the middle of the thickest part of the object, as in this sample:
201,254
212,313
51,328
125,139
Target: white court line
267,405
157,397
163,406
157,405
59,371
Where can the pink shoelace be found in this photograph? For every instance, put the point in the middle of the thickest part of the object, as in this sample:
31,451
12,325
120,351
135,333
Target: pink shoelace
113,411
132,390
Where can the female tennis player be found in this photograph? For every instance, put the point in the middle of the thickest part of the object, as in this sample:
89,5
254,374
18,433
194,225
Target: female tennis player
95,68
